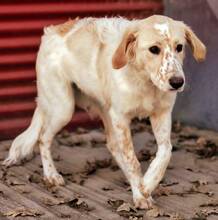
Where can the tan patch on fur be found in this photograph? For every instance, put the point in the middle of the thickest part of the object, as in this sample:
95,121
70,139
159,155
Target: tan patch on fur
125,51
128,149
126,138
198,48
143,191
64,28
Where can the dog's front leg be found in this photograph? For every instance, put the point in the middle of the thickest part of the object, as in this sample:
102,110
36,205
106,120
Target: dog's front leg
161,125
119,142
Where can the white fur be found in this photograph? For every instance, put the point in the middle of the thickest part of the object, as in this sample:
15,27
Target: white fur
82,58
163,29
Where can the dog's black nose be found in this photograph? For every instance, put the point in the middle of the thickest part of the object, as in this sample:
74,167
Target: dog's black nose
176,82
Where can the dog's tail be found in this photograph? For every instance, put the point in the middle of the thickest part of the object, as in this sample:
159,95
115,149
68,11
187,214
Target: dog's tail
23,145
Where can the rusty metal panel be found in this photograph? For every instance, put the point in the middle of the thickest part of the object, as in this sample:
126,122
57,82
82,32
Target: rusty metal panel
21,25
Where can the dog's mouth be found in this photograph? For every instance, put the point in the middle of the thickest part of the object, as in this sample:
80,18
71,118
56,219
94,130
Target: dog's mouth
176,90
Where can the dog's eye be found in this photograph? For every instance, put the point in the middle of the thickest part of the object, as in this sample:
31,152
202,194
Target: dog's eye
179,48
154,49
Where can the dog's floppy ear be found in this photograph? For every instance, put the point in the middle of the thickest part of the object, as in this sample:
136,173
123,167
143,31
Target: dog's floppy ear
198,48
125,51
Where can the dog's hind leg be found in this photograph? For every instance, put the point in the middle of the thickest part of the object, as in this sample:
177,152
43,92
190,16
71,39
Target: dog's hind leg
23,145
58,108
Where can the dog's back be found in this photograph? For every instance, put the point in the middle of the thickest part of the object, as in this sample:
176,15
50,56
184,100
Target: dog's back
83,50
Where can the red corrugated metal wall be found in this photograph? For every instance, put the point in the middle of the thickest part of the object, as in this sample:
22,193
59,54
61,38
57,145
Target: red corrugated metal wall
21,24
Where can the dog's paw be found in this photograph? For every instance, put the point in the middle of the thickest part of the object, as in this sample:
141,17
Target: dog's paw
144,203
10,161
55,179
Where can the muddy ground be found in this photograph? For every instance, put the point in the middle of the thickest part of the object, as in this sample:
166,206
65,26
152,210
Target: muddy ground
96,188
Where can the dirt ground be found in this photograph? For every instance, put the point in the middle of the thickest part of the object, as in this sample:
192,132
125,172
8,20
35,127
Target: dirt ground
96,188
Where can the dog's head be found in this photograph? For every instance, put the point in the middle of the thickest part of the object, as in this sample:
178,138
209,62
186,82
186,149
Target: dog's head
155,46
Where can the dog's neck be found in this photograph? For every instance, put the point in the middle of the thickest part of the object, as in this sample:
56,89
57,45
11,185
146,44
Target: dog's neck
145,88
137,76
140,78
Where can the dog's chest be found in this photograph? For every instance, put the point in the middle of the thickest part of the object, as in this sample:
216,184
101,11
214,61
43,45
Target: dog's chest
139,105
141,102
132,101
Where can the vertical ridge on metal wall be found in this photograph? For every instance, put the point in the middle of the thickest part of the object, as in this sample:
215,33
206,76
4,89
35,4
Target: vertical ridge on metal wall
21,24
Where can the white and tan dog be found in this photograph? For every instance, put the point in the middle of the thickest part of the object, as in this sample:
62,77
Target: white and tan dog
119,69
